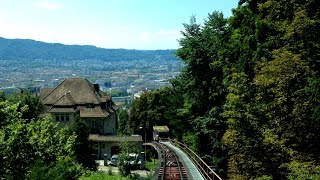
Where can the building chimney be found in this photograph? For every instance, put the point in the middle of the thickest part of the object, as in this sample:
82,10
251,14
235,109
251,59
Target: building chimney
96,87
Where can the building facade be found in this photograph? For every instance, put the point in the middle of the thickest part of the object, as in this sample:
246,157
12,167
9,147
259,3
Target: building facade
79,97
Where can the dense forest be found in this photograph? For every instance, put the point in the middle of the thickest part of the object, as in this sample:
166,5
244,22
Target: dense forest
25,49
248,97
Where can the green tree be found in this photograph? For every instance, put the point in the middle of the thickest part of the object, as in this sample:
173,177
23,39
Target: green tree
303,170
22,144
201,83
160,107
124,159
26,141
274,44
243,133
83,148
32,101
123,119
2,96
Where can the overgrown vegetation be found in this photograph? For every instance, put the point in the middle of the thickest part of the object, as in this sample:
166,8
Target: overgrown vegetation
248,97
101,176
124,164
36,148
152,164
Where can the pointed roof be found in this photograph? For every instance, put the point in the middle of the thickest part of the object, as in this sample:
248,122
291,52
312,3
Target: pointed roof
79,90
65,100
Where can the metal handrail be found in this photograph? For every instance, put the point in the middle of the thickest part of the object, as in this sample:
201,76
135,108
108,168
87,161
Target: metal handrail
202,166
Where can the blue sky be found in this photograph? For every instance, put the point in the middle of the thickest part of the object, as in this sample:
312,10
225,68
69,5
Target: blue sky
130,24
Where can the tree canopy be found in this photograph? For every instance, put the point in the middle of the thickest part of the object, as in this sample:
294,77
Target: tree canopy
33,147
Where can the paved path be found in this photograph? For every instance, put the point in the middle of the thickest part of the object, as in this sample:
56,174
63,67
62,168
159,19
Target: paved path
190,166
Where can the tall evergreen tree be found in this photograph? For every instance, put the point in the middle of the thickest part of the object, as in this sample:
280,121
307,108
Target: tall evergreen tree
203,52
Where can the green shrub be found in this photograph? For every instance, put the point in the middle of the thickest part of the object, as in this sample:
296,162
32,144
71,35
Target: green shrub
62,169
93,175
303,170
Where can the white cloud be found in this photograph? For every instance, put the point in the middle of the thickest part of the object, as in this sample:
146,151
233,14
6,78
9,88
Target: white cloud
48,5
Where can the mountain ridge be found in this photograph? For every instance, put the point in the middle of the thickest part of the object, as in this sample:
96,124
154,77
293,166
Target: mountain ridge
32,49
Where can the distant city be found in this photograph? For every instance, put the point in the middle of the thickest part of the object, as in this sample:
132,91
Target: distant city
125,76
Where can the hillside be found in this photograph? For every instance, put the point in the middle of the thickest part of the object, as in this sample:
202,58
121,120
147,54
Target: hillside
31,49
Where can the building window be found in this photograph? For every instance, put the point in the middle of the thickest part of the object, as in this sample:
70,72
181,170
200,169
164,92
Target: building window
61,117
103,146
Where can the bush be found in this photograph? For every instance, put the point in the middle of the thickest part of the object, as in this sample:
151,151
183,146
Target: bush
62,169
91,175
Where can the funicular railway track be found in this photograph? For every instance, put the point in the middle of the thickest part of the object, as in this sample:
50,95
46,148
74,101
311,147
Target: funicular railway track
171,167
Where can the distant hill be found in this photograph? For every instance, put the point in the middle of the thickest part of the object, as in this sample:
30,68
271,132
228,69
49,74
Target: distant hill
31,49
